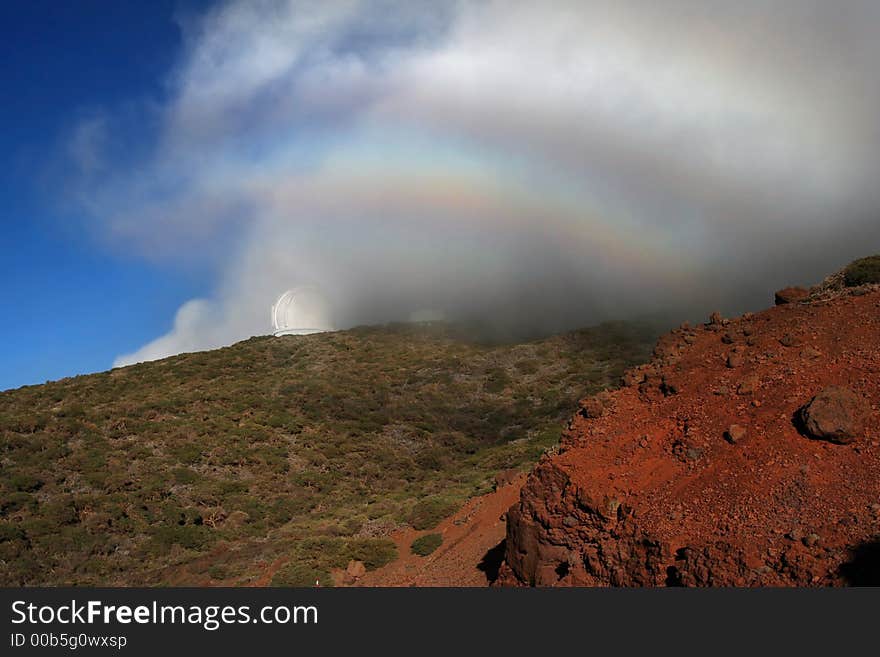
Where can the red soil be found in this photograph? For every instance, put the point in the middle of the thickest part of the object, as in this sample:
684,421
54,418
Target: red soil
651,492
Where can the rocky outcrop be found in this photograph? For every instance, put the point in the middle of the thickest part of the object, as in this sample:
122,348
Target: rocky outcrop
703,471
577,538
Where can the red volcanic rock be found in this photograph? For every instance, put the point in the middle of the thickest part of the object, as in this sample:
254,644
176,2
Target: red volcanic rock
790,295
593,407
353,572
735,433
836,414
506,478
665,489
749,385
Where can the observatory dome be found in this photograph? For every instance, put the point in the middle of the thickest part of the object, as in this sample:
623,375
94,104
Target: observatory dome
300,311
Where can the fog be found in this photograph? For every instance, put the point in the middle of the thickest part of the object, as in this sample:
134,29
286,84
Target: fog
534,167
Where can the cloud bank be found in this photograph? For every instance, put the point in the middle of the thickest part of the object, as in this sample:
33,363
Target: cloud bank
538,167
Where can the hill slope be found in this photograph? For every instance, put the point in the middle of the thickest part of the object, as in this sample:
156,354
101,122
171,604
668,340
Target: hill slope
746,453
307,451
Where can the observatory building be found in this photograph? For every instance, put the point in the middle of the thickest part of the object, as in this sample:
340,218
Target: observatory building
300,311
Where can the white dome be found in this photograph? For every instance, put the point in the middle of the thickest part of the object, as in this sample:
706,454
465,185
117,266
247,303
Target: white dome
300,311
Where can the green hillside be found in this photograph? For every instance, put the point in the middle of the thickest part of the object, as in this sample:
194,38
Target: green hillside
203,468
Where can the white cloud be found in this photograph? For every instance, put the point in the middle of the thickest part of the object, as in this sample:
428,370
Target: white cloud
195,328
547,164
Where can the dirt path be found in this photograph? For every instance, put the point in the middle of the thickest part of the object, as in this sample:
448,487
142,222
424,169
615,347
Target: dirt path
471,551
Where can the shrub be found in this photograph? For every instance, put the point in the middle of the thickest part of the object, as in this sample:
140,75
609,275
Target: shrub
226,487
374,552
862,272
185,475
300,574
425,545
25,482
190,537
429,512
217,572
527,366
15,501
186,452
9,532
73,410
496,380
61,512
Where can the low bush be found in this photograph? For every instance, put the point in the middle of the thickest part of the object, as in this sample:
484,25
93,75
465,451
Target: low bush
429,512
300,574
374,552
425,545
26,483
12,502
217,572
190,537
186,452
9,532
862,272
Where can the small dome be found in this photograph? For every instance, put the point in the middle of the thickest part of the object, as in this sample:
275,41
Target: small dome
301,311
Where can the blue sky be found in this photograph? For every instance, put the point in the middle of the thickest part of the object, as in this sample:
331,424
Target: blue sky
68,304
170,167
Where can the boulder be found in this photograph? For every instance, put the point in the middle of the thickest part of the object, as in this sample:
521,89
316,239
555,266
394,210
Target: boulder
592,407
748,385
506,478
735,433
836,414
790,295
355,569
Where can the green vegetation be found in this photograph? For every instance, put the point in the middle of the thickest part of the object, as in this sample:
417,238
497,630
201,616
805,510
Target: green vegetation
313,558
862,271
306,450
425,545
427,513
301,574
